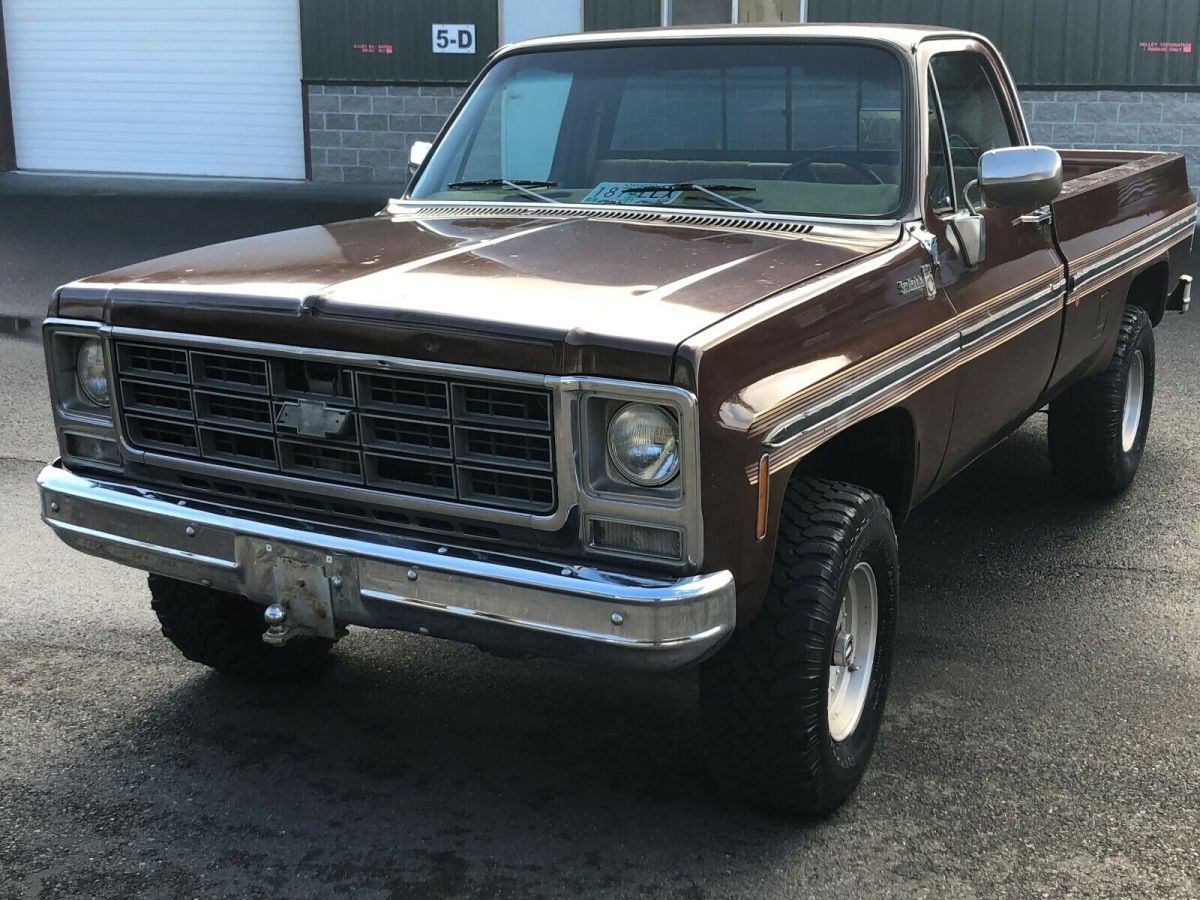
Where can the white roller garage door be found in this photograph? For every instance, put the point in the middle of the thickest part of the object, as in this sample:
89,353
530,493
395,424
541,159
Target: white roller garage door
169,87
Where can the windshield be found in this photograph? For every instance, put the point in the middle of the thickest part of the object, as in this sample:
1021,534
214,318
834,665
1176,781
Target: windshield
799,128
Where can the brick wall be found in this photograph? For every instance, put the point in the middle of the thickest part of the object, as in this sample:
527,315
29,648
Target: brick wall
362,133
1118,120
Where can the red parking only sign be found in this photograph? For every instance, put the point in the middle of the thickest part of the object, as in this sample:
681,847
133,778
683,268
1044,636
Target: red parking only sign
1166,46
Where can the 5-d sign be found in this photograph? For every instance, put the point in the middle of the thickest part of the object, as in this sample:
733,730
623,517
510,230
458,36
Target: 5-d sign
453,38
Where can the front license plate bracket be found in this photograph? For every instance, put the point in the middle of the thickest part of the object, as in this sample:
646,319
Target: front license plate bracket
308,583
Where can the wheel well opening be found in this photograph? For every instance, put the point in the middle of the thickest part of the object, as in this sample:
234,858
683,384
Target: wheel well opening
1149,291
877,454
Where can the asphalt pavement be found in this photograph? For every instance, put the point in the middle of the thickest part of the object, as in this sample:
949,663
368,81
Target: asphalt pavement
1042,735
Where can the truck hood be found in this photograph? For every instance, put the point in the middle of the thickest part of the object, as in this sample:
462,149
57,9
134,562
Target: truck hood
603,294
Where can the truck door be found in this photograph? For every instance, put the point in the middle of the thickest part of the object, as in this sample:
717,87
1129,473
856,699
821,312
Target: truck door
1009,304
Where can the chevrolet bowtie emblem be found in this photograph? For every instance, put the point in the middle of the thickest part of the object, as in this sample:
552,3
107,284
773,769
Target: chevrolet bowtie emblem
312,418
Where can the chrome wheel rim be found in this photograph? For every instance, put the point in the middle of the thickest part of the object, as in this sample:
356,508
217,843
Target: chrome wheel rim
853,655
1135,386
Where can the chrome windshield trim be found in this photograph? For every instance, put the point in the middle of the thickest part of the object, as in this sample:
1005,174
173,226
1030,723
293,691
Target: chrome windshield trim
398,205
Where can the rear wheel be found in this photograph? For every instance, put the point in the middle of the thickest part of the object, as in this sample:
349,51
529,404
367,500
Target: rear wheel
1098,427
792,705
224,631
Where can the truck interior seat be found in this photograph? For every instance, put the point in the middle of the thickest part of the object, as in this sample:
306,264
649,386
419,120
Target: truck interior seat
673,170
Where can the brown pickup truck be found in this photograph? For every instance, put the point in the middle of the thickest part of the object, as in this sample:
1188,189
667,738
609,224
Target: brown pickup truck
667,336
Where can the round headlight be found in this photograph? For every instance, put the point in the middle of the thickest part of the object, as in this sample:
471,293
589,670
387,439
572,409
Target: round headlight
643,443
91,371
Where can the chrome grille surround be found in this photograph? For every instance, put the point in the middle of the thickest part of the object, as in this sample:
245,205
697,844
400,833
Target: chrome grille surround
454,437
573,441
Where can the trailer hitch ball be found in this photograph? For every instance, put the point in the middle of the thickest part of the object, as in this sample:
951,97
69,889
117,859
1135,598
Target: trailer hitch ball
277,631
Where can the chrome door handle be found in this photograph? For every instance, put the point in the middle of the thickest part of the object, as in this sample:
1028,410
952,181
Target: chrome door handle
1038,217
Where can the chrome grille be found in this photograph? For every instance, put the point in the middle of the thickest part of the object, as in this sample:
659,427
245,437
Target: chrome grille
400,433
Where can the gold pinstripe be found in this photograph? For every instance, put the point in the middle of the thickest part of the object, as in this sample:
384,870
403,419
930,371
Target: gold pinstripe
1133,263
1134,236
913,347
808,441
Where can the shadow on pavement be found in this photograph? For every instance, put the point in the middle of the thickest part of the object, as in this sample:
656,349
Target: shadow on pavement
433,769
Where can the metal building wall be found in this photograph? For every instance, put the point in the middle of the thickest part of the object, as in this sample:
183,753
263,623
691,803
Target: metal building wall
1090,44
8,152
599,15
363,41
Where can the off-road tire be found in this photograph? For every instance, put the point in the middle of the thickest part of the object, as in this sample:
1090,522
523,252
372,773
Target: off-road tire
224,631
764,695
1087,454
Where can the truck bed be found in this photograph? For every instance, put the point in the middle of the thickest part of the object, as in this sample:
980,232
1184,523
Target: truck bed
1118,208
1120,214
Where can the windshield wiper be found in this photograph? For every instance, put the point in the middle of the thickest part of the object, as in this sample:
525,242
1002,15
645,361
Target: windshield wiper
517,184
712,190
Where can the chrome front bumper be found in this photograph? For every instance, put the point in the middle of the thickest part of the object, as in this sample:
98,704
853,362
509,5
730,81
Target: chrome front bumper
382,581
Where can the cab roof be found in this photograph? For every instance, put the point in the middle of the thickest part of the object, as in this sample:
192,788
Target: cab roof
904,37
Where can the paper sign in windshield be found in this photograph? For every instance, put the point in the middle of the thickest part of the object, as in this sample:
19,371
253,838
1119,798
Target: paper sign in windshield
620,192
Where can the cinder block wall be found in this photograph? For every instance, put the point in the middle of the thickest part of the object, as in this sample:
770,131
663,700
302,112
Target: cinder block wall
1118,120
362,133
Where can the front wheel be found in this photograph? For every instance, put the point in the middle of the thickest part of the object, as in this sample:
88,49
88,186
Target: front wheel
1097,428
792,705
224,632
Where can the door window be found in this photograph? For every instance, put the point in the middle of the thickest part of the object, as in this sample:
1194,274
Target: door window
940,188
974,116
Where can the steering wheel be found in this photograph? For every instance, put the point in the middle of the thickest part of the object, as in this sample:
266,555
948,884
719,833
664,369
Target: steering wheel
802,170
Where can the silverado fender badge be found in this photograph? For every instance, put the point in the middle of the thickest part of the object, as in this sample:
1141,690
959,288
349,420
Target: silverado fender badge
924,281
312,418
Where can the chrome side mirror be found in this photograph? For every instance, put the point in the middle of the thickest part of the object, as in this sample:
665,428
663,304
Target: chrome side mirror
1020,177
969,230
970,235
416,156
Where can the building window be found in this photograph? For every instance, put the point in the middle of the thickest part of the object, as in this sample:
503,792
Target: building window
769,12
606,14
724,12
699,12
